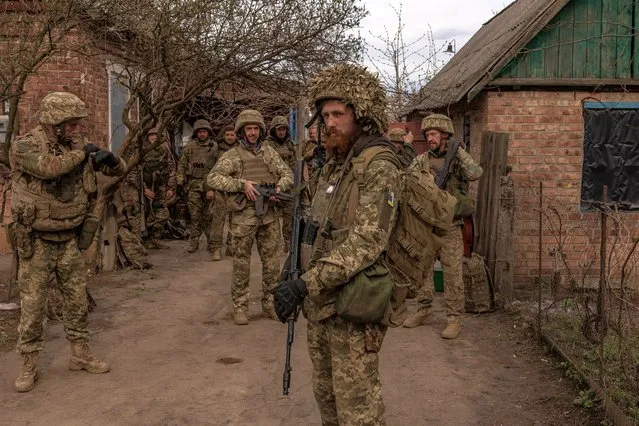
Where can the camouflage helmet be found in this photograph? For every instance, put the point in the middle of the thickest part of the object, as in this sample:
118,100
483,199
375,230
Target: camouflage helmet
58,107
202,124
277,121
355,86
249,116
439,122
396,135
154,130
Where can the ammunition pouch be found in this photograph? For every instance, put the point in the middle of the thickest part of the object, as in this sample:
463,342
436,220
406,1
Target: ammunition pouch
87,231
366,297
21,239
464,207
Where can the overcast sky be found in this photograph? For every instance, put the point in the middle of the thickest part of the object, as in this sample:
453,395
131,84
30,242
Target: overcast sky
449,19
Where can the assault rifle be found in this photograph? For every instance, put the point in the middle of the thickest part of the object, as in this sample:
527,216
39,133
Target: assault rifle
444,173
267,191
292,268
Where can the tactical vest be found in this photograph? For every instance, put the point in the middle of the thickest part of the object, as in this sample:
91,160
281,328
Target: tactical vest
453,183
285,150
224,147
52,205
202,157
156,161
257,169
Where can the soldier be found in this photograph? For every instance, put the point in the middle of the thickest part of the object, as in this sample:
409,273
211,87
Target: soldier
158,172
314,155
438,131
280,140
353,237
238,170
403,143
54,185
229,140
198,159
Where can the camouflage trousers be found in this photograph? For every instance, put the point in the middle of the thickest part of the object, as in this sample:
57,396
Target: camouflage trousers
451,253
220,214
346,379
65,261
287,223
268,238
199,208
157,215
134,251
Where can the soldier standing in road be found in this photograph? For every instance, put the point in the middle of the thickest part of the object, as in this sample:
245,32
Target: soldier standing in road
357,211
53,187
158,173
280,140
197,160
236,173
438,130
229,140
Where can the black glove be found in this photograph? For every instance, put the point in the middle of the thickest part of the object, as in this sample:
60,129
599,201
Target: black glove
106,158
90,149
288,296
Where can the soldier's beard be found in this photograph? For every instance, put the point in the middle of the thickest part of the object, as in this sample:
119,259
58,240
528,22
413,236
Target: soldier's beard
338,143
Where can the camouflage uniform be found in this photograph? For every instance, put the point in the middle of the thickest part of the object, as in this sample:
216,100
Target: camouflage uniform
286,149
219,211
53,188
405,150
463,170
196,162
235,167
344,354
159,176
312,163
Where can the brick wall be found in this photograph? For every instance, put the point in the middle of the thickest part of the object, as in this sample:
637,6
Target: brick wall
546,145
83,75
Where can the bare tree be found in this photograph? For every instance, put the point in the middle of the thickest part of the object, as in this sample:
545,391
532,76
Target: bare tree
403,66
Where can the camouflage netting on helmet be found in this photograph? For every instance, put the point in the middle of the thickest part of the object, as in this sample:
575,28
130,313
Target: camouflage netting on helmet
438,122
357,87
58,107
249,116
396,135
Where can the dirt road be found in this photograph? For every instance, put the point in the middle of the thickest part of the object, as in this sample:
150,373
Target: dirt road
177,358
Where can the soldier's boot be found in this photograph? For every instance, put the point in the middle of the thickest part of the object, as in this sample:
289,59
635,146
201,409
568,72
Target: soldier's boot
29,373
216,255
83,359
418,318
240,318
194,243
268,308
453,328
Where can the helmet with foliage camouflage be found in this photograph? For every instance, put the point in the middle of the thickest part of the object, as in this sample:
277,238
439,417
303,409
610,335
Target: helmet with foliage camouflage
357,87
58,107
396,135
202,124
438,122
249,116
277,121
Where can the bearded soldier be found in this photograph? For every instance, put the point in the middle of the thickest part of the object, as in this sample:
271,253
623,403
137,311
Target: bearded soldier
53,186
438,130
197,160
403,145
355,209
280,140
229,140
239,169
158,175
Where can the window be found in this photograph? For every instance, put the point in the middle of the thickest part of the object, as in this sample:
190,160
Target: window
118,97
611,154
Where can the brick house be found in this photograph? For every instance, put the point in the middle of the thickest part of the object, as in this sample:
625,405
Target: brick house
561,78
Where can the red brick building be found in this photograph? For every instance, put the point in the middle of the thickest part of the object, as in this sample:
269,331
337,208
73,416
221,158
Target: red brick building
560,78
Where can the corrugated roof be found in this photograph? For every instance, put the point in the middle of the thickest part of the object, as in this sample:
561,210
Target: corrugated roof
486,53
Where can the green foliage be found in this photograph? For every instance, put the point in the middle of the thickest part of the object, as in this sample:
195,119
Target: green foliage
587,398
